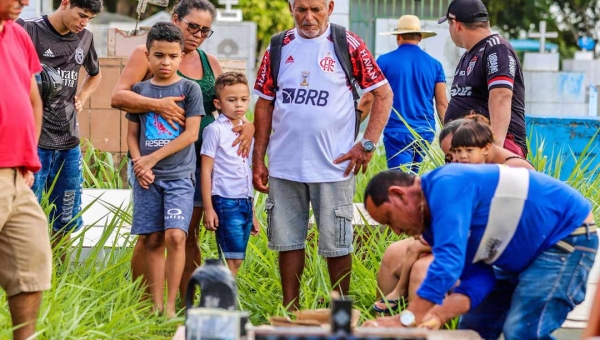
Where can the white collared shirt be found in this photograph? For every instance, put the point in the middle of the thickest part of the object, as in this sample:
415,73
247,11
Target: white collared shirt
232,176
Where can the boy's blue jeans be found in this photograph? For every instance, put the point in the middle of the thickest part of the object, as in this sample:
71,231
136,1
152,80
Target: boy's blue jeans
63,168
535,302
235,224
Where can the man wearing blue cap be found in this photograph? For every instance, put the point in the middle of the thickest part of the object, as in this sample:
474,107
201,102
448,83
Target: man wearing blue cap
488,77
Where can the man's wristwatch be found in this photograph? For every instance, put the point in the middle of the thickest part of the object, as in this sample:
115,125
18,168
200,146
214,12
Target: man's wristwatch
407,318
367,145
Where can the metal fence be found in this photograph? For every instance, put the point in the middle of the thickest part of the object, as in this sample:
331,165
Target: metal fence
100,39
364,12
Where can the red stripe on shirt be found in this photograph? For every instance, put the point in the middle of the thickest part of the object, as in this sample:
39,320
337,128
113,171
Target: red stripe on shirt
512,81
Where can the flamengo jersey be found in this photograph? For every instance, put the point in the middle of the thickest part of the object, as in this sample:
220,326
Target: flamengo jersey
65,53
313,118
491,63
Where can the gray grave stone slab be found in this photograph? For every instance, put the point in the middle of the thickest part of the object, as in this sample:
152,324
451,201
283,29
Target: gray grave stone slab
540,108
544,87
541,61
233,40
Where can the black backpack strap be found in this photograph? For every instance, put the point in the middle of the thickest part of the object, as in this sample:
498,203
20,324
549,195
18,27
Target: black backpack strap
342,51
275,56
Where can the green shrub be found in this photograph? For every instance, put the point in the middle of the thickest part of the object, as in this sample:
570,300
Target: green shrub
93,297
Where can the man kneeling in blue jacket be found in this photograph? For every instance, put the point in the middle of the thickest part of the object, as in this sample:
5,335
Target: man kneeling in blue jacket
520,243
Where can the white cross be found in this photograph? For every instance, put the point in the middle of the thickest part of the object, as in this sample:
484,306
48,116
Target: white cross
542,34
228,4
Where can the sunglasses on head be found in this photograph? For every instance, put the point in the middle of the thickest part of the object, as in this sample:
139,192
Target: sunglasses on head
195,28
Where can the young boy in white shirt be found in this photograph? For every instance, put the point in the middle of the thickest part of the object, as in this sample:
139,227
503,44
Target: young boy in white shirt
227,190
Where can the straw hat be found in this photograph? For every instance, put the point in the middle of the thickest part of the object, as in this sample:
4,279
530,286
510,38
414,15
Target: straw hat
409,24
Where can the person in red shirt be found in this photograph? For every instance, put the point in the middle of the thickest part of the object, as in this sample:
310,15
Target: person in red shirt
25,255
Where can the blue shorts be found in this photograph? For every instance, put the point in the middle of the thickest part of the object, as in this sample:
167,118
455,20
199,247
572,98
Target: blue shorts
402,148
61,169
235,225
164,205
130,175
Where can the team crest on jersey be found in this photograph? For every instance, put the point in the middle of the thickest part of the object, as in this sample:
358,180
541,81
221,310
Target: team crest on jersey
471,65
305,78
79,55
327,64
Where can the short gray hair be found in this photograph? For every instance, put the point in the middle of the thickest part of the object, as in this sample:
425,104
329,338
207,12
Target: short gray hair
291,2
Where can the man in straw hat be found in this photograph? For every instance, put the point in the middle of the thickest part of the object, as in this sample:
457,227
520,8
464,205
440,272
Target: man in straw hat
416,78
488,77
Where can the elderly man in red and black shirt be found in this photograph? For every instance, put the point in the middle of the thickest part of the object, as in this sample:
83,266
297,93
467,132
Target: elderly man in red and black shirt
488,78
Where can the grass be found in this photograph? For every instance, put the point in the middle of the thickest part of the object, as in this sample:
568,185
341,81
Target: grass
93,297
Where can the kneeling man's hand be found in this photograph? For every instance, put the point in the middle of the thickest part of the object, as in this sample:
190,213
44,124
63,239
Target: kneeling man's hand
385,321
431,321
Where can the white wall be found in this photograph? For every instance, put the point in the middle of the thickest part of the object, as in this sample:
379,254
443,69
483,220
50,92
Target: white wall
341,13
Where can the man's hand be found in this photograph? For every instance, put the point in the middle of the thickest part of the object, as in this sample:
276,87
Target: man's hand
211,220
431,321
29,178
78,104
260,177
385,321
358,158
255,227
171,112
246,132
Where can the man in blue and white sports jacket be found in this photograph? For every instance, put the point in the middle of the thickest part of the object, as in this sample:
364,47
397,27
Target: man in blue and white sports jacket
521,245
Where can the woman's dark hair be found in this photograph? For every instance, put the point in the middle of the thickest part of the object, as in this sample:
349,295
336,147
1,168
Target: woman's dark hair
475,131
164,31
450,128
378,186
183,7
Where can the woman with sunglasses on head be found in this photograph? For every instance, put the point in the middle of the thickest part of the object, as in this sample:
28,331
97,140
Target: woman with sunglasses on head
466,140
194,18
475,135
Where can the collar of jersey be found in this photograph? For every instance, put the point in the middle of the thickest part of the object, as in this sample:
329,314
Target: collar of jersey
53,30
316,40
481,42
224,120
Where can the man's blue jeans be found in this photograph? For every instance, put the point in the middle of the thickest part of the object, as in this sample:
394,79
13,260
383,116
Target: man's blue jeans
534,303
63,169
402,148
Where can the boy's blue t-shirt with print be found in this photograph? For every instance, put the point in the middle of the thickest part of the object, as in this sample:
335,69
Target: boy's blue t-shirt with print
156,132
459,197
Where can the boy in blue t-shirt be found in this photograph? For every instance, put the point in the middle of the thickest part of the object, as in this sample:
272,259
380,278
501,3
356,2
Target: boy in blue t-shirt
227,190
164,163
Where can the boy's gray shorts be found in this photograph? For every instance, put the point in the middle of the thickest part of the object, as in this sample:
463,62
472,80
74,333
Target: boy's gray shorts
287,210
